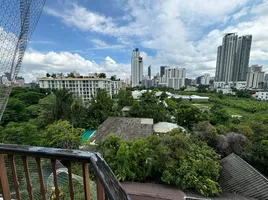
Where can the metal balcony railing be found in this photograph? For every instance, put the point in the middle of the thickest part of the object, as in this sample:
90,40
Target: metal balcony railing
107,185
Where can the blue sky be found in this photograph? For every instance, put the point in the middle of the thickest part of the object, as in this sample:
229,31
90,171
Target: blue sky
99,35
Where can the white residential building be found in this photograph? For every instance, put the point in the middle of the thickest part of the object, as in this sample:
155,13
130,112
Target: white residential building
254,76
136,68
205,79
262,96
175,77
116,86
80,87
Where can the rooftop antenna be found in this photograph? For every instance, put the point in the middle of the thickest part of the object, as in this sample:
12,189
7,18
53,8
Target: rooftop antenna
18,19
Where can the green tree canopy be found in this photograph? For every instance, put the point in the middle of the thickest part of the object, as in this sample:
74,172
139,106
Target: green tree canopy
125,98
101,106
30,98
61,134
20,133
102,75
188,115
149,107
189,164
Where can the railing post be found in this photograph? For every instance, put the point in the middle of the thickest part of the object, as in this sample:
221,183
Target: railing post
14,174
3,179
86,181
100,191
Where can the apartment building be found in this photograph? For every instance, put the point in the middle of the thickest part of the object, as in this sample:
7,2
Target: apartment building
80,87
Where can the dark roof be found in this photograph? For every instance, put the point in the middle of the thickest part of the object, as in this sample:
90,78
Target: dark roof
237,176
150,191
223,196
125,127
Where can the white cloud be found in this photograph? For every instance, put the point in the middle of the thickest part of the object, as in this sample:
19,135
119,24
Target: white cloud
241,13
182,33
37,64
99,44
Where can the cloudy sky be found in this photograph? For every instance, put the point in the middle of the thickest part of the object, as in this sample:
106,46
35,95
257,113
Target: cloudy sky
99,35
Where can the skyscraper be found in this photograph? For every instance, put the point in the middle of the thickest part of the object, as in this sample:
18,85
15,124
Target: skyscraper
149,72
136,68
162,70
242,58
232,58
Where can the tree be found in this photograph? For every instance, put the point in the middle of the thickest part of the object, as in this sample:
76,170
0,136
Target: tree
15,111
53,75
101,106
71,75
218,115
188,115
45,113
20,133
202,88
149,107
61,134
48,75
189,164
125,98
206,132
113,78
30,98
63,103
102,75
163,96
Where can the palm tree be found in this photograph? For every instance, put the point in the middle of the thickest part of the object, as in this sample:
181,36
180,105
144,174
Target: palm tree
63,104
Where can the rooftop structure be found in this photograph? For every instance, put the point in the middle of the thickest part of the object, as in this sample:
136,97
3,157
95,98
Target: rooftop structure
237,176
124,127
164,127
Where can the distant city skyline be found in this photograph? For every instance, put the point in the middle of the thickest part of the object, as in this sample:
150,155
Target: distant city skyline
67,39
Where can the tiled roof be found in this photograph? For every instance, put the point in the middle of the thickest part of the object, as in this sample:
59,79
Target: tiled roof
150,191
237,176
124,127
223,196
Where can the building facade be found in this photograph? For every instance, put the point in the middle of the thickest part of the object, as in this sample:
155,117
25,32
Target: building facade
262,96
205,79
136,68
188,82
79,87
254,76
162,70
115,87
149,72
242,58
233,58
175,77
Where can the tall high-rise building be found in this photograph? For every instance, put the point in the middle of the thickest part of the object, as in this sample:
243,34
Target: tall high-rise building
232,58
254,76
149,72
242,58
136,68
162,70
218,73
175,77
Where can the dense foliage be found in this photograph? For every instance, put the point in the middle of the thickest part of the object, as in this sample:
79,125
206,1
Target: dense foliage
189,164
226,124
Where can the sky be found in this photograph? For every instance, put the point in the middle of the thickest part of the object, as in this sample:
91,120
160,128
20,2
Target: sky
99,35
